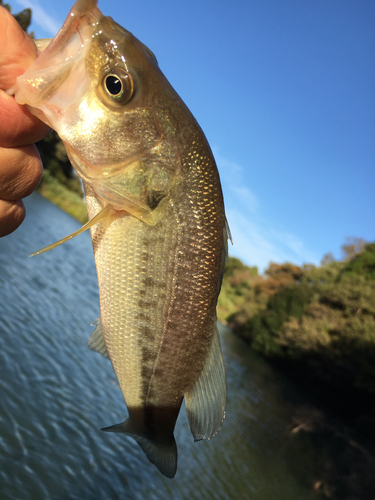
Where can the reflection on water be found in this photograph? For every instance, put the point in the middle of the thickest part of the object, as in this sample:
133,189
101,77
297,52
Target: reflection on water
55,394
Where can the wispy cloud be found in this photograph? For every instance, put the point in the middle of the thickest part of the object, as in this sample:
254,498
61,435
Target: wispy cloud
40,17
256,240
233,182
259,244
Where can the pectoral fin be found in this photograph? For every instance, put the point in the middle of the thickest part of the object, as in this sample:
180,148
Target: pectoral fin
206,401
96,341
95,220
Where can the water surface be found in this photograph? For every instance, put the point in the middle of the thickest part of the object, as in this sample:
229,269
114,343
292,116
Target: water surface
55,395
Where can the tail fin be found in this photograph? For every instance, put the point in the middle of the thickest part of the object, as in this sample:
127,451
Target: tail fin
163,455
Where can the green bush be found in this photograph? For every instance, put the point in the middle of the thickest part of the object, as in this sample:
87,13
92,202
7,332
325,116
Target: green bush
318,322
363,264
69,201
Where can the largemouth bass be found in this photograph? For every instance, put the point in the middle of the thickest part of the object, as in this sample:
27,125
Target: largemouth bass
157,223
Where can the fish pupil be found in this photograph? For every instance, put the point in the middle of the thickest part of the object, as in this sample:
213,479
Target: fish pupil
114,85
116,88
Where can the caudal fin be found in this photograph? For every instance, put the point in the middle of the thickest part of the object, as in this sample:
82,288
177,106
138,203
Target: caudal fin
163,455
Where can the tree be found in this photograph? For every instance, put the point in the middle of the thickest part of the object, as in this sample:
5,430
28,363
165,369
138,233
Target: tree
234,265
23,18
363,263
328,258
352,247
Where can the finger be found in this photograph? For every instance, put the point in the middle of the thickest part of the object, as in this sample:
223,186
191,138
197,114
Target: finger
18,50
18,127
12,214
20,172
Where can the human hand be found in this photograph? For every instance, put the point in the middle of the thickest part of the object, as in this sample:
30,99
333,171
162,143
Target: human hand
20,164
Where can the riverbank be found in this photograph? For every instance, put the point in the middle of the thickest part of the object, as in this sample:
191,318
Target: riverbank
343,465
316,325
69,201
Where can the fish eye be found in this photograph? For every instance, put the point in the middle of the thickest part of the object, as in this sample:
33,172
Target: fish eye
118,86
114,85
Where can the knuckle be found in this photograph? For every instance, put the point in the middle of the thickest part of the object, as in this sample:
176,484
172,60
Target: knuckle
20,172
12,214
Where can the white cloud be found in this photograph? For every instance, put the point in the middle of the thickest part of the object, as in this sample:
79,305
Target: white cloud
256,241
245,196
259,245
249,244
232,180
40,17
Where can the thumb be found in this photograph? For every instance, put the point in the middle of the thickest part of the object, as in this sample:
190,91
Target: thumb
18,50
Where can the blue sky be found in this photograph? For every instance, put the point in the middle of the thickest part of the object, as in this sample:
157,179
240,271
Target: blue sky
285,93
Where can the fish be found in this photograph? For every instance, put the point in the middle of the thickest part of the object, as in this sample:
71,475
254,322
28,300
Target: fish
156,219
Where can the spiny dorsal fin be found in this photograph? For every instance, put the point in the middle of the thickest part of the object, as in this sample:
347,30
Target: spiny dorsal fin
95,220
227,230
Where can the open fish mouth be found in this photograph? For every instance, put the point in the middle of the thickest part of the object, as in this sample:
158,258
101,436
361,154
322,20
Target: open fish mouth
52,70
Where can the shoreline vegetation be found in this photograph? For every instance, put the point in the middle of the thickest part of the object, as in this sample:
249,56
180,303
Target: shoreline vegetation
314,323
60,184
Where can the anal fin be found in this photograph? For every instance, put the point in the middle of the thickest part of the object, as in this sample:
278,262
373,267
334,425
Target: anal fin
206,401
96,341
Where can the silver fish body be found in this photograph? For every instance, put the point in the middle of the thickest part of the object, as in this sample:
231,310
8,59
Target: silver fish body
160,241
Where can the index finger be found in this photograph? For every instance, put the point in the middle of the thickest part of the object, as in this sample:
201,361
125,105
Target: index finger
18,127
18,50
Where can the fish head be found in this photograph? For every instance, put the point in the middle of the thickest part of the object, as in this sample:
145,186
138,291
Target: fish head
102,90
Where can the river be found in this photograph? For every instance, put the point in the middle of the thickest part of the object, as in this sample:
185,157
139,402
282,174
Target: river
55,395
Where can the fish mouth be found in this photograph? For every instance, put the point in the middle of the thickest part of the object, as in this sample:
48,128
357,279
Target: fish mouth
52,70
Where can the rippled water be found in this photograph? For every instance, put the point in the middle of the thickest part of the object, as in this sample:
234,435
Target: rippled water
55,394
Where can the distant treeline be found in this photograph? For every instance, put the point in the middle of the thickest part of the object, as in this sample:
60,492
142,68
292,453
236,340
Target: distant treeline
318,323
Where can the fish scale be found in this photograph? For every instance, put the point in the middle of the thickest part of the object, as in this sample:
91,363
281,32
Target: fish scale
157,223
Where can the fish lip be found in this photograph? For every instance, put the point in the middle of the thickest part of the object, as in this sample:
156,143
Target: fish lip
80,10
42,81
73,22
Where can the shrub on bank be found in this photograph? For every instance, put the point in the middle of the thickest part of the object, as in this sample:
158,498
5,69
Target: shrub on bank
317,322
